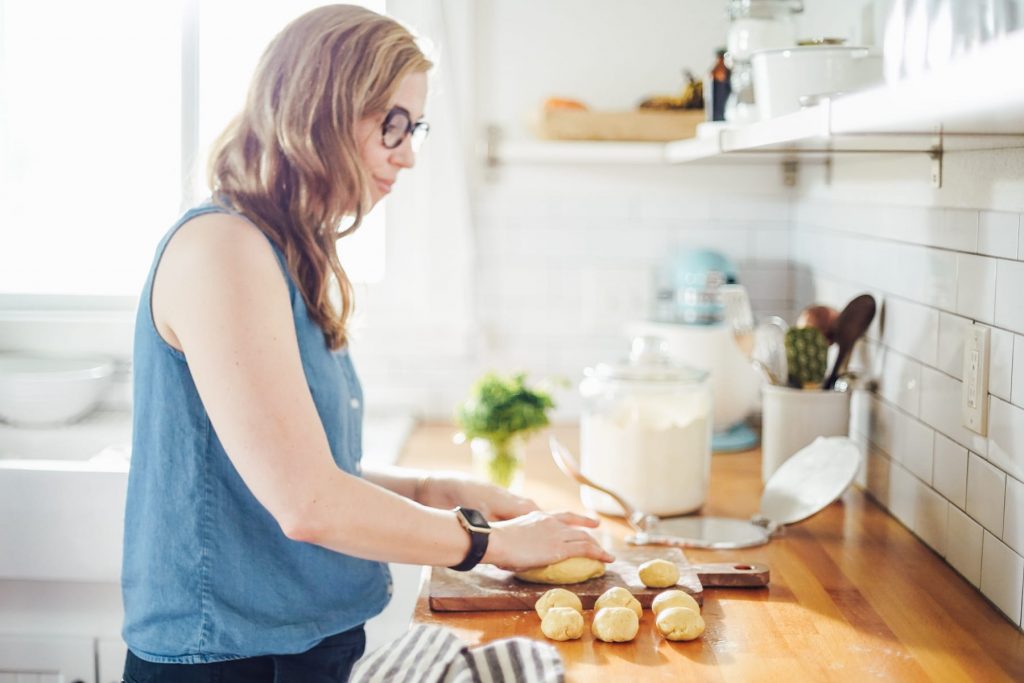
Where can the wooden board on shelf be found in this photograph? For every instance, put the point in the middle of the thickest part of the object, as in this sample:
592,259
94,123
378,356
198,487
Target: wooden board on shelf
638,126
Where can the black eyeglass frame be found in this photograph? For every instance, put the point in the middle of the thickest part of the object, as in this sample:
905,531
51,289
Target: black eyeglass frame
417,130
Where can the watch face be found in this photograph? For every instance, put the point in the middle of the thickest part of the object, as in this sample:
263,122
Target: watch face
475,518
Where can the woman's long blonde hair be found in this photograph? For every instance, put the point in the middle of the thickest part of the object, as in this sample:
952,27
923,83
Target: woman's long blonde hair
290,160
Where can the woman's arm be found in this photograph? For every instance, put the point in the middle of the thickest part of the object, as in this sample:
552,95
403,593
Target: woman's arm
445,490
220,297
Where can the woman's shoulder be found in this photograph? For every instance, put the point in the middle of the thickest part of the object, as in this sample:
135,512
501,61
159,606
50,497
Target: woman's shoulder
217,266
218,244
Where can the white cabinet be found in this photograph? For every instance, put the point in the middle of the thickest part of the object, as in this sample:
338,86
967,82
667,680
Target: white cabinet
60,632
47,659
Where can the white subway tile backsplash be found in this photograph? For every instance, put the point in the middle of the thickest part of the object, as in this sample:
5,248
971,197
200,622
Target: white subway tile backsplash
653,209
773,244
950,470
976,287
952,331
940,409
1002,577
1013,516
1017,381
882,419
1009,300
1020,238
588,207
751,209
997,234
930,519
958,230
732,241
1000,368
964,541
766,282
937,270
911,329
879,469
900,382
913,441
986,492
1006,437
904,490
933,276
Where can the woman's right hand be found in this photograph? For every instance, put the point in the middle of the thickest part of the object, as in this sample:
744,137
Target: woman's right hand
538,539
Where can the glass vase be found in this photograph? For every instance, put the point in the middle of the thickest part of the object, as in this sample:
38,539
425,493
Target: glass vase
499,462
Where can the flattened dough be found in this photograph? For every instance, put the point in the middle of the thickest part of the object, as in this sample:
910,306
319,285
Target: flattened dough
573,570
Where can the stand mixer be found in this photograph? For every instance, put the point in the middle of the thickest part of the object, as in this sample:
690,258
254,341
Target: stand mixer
704,318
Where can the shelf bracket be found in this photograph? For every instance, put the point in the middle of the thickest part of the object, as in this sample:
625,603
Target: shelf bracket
789,172
935,154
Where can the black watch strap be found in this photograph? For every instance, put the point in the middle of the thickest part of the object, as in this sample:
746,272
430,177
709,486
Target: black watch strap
479,532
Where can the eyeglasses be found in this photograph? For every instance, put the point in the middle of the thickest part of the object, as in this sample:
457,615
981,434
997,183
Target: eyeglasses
398,124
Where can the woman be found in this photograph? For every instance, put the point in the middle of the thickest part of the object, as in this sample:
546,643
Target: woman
254,543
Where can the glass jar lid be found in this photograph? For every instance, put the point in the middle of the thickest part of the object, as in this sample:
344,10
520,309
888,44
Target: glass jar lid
764,9
648,362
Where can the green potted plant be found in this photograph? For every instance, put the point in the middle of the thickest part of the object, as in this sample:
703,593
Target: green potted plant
499,414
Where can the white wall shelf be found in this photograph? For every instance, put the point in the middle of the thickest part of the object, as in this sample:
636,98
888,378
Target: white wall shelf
973,103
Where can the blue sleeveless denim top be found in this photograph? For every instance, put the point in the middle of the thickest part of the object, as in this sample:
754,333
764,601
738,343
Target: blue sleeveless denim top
207,573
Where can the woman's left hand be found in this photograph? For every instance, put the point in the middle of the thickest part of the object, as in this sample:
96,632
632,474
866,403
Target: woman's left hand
445,491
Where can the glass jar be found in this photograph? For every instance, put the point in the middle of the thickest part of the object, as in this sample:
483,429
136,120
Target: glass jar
754,25
500,463
645,432
761,25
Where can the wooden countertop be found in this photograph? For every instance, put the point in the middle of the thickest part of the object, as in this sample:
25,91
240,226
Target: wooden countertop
854,596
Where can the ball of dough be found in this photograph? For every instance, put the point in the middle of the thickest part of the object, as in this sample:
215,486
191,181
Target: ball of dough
562,623
615,624
680,623
619,597
674,599
659,573
558,597
573,570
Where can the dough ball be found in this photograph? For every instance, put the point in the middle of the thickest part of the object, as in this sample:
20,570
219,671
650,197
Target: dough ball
573,570
557,597
615,624
619,597
674,599
562,623
680,623
659,573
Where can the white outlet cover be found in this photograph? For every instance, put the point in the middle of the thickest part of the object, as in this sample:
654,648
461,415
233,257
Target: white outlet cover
974,397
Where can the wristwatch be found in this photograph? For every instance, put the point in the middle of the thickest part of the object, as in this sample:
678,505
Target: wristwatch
479,533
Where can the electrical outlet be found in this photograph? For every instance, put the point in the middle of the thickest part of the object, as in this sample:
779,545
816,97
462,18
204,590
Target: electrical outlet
974,398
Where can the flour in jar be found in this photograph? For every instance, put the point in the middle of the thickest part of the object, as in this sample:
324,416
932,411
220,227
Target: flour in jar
655,450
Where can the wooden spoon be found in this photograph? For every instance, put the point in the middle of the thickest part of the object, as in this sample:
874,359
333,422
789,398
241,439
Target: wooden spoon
851,324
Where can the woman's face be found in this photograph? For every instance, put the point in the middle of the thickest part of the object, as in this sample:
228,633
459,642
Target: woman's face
382,163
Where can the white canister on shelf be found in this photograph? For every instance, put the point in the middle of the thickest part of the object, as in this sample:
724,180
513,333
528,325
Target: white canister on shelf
645,432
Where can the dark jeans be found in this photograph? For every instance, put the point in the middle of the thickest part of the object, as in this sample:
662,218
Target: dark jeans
329,662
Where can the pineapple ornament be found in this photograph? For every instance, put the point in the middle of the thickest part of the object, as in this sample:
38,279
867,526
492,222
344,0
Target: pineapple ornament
806,356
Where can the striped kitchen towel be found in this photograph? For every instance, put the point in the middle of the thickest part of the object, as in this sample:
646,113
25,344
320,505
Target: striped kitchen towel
434,654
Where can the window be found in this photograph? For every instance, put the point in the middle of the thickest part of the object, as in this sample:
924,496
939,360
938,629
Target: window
107,109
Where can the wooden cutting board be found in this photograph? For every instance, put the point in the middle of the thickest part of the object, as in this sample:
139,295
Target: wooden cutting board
488,588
